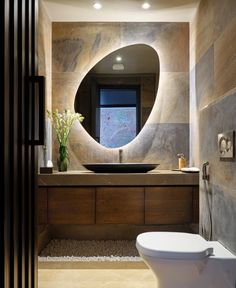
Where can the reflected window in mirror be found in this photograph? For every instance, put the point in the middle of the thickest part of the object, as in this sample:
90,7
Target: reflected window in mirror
118,115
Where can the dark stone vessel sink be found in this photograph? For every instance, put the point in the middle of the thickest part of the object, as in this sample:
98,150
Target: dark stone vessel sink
120,167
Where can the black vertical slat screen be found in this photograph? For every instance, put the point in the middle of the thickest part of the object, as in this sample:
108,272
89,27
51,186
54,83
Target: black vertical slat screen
5,196
27,103
20,164
14,142
19,157
34,155
12,117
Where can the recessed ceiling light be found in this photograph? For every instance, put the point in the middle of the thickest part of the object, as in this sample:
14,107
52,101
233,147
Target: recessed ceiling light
97,5
118,58
146,5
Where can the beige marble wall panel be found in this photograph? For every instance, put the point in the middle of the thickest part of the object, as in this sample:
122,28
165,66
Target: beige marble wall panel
65,86
224,12
205,79
173,46
205,28
77,47
225,60
170,40
172,102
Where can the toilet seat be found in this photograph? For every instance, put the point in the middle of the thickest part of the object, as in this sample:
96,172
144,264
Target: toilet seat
171,245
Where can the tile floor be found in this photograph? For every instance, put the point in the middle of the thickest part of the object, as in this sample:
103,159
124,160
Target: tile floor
103,277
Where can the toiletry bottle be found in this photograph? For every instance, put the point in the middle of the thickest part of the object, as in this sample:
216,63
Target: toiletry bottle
181,161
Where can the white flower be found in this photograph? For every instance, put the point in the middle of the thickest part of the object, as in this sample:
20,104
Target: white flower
62,123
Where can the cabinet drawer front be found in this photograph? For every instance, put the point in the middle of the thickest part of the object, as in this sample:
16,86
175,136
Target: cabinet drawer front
121,205
71,205
168,205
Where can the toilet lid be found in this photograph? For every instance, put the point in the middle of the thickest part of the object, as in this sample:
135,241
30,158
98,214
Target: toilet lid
171,245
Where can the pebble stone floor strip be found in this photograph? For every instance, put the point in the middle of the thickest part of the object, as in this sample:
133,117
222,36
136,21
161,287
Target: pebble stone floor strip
77,250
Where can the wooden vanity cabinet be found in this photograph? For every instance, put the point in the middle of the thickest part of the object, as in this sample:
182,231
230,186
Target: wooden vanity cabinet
168,205
71,205
120,205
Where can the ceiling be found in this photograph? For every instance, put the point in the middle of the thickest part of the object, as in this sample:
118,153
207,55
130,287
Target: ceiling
121,11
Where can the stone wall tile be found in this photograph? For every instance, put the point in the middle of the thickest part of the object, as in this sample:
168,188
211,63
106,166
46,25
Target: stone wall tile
77,47
171,41
205,79
205,28
159,143
225,60
172,102
217,118
224,12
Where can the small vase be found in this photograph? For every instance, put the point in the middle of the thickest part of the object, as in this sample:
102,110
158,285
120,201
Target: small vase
62,161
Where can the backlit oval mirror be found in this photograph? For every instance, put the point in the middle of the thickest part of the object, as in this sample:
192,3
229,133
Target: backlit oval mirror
118,93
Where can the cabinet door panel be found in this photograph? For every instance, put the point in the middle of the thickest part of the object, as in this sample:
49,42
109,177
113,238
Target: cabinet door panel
71,205
121,205
42,206
168,205
195,204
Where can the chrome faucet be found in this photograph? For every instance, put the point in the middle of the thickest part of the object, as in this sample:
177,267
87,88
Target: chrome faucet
120,155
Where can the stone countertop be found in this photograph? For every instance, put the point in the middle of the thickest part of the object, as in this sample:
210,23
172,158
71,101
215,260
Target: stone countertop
88,178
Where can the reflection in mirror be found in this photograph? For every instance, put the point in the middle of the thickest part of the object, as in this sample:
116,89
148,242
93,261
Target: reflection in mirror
118,93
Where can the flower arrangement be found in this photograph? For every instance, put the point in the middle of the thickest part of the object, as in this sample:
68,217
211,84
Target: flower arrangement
62,123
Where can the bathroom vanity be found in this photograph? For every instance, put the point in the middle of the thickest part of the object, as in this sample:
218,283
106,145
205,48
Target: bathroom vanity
85,200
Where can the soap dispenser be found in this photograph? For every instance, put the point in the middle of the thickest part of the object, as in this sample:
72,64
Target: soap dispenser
182,161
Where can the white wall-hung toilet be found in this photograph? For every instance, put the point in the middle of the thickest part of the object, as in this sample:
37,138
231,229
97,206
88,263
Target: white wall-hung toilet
184,260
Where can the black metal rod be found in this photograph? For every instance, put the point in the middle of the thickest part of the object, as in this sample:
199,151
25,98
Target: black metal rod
37,135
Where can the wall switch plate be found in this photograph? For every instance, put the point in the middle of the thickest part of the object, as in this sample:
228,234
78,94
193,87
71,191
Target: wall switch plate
226,145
